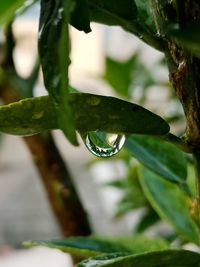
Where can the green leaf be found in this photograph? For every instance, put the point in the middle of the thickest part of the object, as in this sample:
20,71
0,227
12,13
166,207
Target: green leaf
169,202
126,14
159,156
53,46
91,112
147,220
8,9
85,247
80,16
188,36
165,258
124,76
112,12
119,74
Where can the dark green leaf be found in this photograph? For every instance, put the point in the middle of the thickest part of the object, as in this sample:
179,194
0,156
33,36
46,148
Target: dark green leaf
170,203
54,56
123,13
159,156
165,258
112,12
91,112
80,16
188,36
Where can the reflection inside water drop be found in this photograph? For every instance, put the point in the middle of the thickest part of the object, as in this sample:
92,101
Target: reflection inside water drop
103,144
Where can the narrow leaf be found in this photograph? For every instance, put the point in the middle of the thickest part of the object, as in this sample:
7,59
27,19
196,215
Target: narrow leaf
53,46
165,258
91,112
159,156
85,247
169,202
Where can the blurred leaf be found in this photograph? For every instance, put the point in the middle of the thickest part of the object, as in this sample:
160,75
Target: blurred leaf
8,9
85,247
170,203
159,156
147,220
164,258
188,36
119,74
80,16
54,36
126,75
91,112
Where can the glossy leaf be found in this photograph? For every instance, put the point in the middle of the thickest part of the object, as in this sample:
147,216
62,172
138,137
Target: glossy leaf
188,36
165,258
124,13
159,156
169,202
53,46
112,12
85,247
80,16
91,112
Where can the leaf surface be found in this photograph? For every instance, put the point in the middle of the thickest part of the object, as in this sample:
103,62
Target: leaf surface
160,156
53,44
170,203
91,112
165,258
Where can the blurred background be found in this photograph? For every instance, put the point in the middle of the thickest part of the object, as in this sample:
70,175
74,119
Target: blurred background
139,73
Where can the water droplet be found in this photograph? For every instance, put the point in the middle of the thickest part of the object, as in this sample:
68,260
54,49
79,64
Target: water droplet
103,144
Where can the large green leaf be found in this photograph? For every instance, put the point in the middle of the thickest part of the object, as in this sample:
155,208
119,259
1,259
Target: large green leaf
160,156
80,16
91,112
85,247
169,202
8,9
126,14
165,258
53,46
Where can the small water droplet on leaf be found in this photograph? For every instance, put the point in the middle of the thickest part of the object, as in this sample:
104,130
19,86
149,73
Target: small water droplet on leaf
103,144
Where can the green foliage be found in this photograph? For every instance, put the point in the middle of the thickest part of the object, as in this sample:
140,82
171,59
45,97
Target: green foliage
179,258
159,156
54,36
170,203
156,178
85,247
90,112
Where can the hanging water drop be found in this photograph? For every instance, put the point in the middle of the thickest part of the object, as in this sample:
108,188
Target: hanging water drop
103,144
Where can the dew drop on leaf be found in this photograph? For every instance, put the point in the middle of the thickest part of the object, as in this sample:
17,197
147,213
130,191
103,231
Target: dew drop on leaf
103,144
